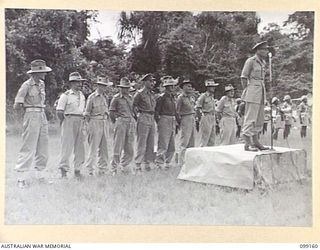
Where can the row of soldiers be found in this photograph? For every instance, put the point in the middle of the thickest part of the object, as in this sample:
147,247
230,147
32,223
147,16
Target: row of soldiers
133,116
130,115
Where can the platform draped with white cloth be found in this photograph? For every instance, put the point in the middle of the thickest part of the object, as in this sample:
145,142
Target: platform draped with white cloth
232,166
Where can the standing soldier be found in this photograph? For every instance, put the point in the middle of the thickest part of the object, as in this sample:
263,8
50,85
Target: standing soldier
226,110
70,110
303,113
122,114
96,116
254,94
206,112
240,107
31,97
166,119
287,112
277,117
144,103
186,118
267,117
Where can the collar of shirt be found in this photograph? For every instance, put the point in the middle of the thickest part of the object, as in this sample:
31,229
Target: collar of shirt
33,82
171,95
208,94
184,94
259,60
146,91
96,93
124,96
73,92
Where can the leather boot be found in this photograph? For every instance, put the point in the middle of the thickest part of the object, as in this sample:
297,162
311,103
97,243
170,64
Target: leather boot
248,145
257,144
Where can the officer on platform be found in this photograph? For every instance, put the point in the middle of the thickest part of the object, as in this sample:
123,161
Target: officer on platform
254,94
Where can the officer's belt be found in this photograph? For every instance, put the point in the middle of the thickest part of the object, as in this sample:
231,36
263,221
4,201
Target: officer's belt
74,115
208,113
98,117
147,112
36,109
165,114
187,114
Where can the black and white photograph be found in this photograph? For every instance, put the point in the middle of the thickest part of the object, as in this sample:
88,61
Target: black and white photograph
158,117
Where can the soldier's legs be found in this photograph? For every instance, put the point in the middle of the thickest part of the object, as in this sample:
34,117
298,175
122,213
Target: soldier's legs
228,131
212,134
41,156
259,120
205,130
67,143
165,129
286,131
233,137
30,136
250,123
79,152
118,142
128,146
103,148
95,132
149,156
143,131
186,137
171,148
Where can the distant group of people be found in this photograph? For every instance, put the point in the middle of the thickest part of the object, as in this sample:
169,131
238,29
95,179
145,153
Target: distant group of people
283,117
137,116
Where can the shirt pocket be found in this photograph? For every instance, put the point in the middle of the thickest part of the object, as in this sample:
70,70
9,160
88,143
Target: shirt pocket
34,95
72,102
257,71
99,108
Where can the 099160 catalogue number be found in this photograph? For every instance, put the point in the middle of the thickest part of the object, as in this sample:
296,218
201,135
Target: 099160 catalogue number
307,246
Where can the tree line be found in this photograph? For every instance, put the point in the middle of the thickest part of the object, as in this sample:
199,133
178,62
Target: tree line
182,44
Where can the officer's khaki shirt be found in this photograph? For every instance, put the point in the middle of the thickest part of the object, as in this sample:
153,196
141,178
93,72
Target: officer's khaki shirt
206,103
254,71
144,101
72,103
166,105
122,106
227,107
96,105
185,105
31,94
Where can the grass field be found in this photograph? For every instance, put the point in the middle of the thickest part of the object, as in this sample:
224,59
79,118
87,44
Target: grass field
156,197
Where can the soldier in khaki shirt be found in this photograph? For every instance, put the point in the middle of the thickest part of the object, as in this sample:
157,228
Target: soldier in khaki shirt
96,114
144,102
166,120
254,94
206,110
186,118
122,114
31,98
227,116
70,110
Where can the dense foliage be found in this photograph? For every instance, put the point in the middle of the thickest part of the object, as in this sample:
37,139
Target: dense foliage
182,44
